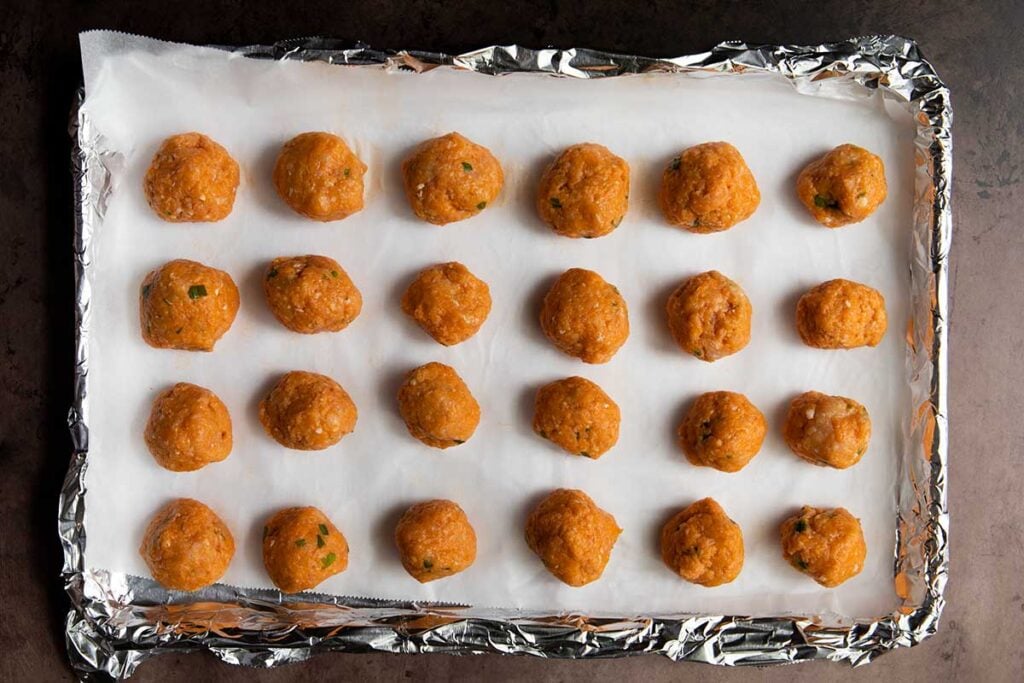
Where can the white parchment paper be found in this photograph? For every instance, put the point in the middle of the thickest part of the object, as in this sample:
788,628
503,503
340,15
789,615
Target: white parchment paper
139,91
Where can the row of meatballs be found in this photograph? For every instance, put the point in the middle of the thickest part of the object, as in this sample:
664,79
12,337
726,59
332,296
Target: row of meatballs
187,546
188,305
583,192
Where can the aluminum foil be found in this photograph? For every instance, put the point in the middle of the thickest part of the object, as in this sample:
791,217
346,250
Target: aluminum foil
117,621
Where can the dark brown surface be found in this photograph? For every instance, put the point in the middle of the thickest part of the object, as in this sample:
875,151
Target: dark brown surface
975,46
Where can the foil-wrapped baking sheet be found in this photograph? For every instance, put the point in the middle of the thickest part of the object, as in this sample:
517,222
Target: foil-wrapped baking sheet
119,619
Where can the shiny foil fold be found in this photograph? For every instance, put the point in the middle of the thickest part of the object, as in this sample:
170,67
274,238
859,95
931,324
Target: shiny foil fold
117,621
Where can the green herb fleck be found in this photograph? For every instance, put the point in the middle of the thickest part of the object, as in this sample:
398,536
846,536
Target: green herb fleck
695,223
196,291
334,273
675,164
615,223
319,541
824,201
800,526
145,290
697,352
299,542
459,441
466,166
862,194
178,331
705,430
428,564
272,273
481,206
589,237
348,172
323,529
543,434
585,454
328,560
802,563
555,203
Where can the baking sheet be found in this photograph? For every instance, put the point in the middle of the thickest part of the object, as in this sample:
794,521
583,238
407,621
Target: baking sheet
137,98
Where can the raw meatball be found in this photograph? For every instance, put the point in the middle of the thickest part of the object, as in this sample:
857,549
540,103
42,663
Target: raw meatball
187,546
437,406
708,188
320,177
702,545
186,305
827,545
840,314
302,548
191,179
307,412
188,428
709,316
584,192
584,316
827,430
572,536
311,294
450,178
844,186
448,302
435,540
722,430
578,416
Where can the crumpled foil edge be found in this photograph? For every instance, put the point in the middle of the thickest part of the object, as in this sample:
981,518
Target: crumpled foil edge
118,621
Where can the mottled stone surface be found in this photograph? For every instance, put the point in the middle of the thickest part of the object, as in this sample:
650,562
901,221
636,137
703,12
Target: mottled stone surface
980,637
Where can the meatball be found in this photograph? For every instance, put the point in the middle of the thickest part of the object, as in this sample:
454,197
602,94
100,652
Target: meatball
310,294
572,536
186,305
186,546
307,412
448,302
840,314
584,316
188,428
450,178
320,177
844,186
723,430
302,548
576,415
584,192
708,188
709,316
702,545
435,540
191,179
437,406
827,430
826,544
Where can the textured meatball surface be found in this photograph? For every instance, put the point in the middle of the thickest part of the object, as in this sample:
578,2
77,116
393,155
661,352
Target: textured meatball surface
708,188
311,294
451,178
192,179
827,430
584,316
702,545
844,186
709,316
826,544
186,305
435,540
188,428
319,177
307,411
437,406
723,430
578,416
302,548
186,545
448,302
572,536
840,314
584,192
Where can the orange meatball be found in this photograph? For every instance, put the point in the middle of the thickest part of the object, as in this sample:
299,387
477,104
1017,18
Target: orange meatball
826,544
722,430
437,406
435,540
709,316
186,305
576,414
319,177
708,188
191,179
188,428
572,536
307,412
450,178
844,186
186,546
310,294
840,314
302,548
827,430
448,302
584,316
584,192
702,545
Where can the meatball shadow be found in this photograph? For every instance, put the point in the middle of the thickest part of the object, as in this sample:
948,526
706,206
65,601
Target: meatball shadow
786,311
383,530
646,192
253,298
530,312
253,542
252,407
387,396
525,199
672,429
657,523
655,319
260,180
394,174
411,332
525,403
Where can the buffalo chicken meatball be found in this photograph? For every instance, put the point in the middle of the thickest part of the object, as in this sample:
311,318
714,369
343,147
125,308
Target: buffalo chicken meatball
450,178
319,177
584,316
827,430
435,540
448,302
188,428
722,430
577,416
702,545
844,186
584,192
186,546
307,412
191,179
708,188
572,536
840,314
437,406
310,294
186,305
826,544
302,548
709,316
